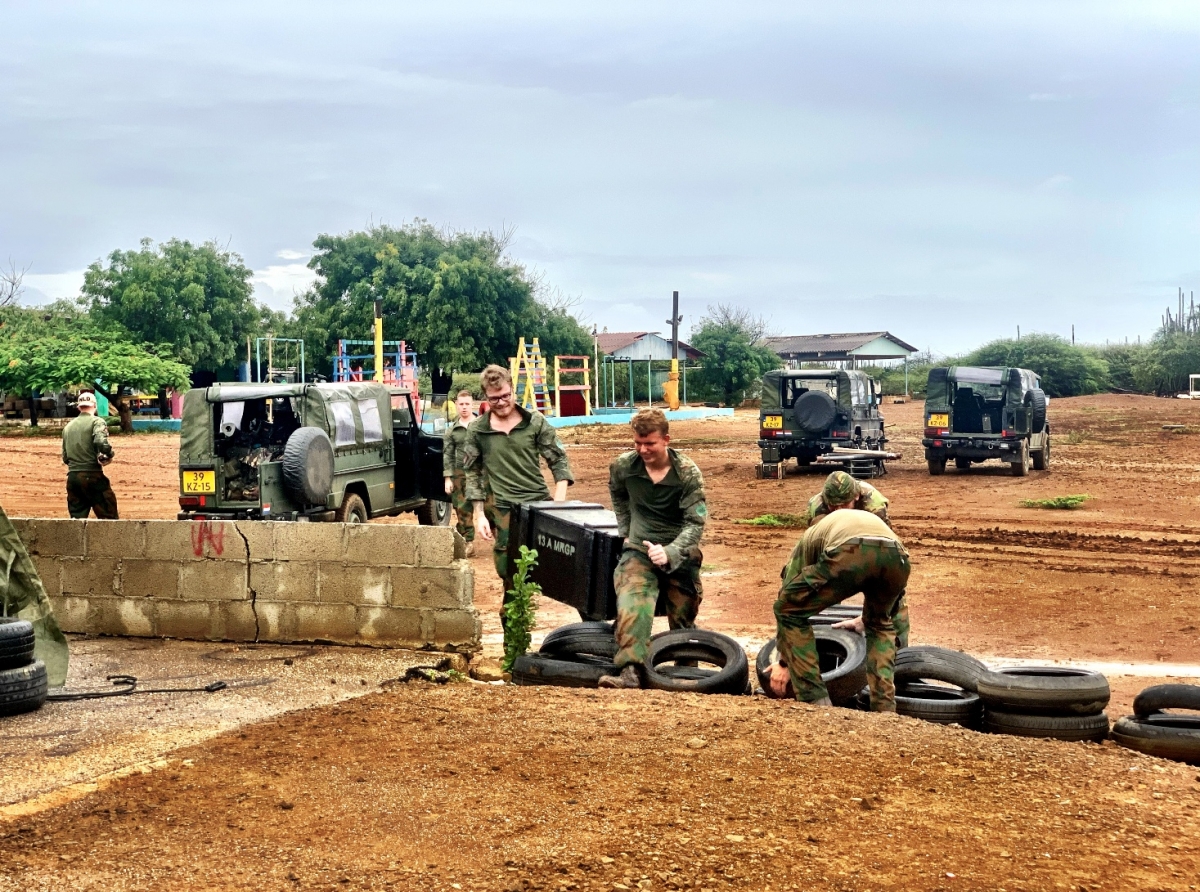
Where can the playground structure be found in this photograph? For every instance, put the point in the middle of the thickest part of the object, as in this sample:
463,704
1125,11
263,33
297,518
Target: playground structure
528,370
292,369
399,365
531,382
619,391
569,398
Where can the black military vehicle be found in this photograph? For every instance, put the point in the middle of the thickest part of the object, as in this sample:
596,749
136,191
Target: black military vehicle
808,413
975,414
345,452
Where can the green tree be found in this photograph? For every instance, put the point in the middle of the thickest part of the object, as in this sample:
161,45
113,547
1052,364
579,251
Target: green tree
48,352
197,298
1163,367
1065,370
735,360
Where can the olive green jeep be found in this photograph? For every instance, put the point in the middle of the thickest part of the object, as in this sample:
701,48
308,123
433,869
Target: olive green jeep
345,452
975,414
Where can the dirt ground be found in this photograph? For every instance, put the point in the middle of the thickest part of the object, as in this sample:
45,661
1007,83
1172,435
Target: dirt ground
513,788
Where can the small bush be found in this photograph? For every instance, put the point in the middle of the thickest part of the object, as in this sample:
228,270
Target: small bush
1061,503
774,520
521,612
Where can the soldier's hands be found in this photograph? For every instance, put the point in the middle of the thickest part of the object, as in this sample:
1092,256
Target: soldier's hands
483,529
780,681
103,459
449,485
657,554
855,625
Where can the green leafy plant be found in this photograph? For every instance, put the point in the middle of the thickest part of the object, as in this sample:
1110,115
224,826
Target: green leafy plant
521,610
1062,503
774,520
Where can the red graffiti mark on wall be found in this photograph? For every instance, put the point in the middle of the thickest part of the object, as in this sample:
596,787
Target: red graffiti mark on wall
204,535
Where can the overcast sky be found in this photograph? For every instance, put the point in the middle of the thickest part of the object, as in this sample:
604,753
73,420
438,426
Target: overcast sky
946,171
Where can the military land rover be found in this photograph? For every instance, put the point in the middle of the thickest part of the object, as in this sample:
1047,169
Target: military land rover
810,412
981,414
345,452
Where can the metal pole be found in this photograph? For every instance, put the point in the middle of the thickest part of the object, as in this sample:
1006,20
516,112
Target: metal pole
378,340
257,360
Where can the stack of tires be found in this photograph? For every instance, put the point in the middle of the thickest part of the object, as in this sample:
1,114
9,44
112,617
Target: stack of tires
23,684
580,654
1154,731
843,662
938,685
1045,701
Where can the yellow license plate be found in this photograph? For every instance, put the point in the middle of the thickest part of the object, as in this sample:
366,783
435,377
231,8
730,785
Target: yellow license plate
938,420
199,482
773,421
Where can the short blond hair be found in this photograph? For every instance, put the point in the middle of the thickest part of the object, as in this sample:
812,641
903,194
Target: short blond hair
465,393
494,377
648,421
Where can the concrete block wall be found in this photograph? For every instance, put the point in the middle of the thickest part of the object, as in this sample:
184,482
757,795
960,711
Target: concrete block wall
389,585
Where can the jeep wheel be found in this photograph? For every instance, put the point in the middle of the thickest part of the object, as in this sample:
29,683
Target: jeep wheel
937,467
1020,467
963,464
308,466
815,411
1041,458
434,514
353,510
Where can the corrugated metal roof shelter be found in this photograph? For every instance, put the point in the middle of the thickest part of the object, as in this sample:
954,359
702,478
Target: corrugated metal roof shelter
840,347
641,345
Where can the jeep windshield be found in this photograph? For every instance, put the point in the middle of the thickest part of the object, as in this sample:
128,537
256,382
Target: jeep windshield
794,388
988,383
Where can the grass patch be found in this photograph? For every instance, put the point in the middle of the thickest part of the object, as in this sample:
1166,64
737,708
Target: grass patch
1074,438
781,521
1061,503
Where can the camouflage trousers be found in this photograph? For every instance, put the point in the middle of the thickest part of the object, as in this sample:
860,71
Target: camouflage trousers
90,490
498,517
639,584
463,509
879,569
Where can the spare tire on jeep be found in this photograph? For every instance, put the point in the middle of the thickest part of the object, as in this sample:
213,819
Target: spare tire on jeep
1035,402
308,467
814,411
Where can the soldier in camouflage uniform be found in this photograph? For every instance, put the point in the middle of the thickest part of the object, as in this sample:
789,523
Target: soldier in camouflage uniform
843,491
85,449
658,497
456,479
500,462
844,553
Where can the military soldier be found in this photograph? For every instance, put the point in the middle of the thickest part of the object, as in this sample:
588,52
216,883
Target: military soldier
846,552
658,496
505,442
454,440
85,449
843,491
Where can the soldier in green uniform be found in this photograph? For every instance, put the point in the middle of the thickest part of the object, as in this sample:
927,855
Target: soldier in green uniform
85,449
843,491
844,553
500,461
456,479
658,497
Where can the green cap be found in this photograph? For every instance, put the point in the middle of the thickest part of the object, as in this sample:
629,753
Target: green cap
840,488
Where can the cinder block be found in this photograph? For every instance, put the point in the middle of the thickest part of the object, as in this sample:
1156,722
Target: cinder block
389,627
49,570
213,581
428,587
326,622
381,544
459,629
185,619
258,538
435,546
284,581
71,613
460,546
51,537
308,541
276,621
150,579
115,538
236,621
365,586
120,616
193,540
89,576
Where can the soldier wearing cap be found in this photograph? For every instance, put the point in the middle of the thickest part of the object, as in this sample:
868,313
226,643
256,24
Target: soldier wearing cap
85,449
842,490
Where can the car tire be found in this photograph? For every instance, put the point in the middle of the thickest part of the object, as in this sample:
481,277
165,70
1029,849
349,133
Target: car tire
353,510
937,466
434,513
1020,468
935,703
814,411
963,464
1174,737
1055,727
594,639
1041,458
928,663
1166,696
308,467
16,642
1045,691
539,669
24,688
842,651
1036,402
688,645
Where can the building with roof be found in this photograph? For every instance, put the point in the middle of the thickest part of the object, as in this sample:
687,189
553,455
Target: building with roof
850,348
641,345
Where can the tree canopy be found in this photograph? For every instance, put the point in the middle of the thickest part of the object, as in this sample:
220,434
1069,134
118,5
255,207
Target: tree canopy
735,359
1065,370
197,298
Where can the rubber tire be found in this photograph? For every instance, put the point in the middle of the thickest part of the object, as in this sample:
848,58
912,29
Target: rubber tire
539,669
16,643
697,644
963,464
1020,468
592,638
1044,691
937,466
927,663
23,689
1055,727
843,682
1174,737
1041,458
939,704
308,467
814,411
353,510
1166,696
434,513
1037,409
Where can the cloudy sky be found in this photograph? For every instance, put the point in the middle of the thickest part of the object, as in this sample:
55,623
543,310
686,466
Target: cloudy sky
947,171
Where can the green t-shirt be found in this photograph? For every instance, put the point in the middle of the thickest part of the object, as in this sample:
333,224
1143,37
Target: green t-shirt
510,460
83,439
839,527
670,513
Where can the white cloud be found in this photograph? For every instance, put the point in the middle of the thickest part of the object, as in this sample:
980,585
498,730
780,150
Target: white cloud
277,285
289,254
52,286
